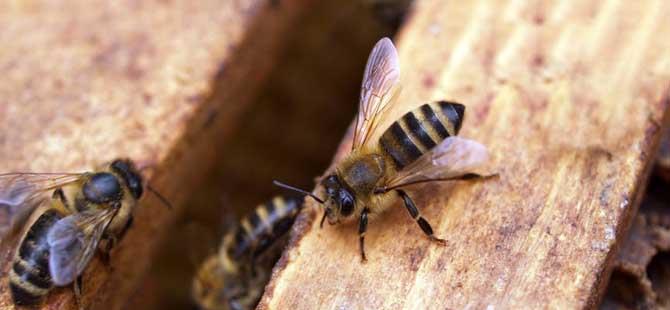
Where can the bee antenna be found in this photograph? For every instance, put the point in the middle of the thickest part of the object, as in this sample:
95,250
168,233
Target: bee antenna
304,192
160,197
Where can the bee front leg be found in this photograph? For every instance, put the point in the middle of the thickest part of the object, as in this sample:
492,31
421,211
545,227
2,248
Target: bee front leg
414,213
362,228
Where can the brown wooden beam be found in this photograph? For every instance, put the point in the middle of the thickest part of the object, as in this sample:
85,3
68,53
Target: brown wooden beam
570,98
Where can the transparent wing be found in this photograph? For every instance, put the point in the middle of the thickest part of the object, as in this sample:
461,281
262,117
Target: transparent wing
21,193
72,242
382,73
453,158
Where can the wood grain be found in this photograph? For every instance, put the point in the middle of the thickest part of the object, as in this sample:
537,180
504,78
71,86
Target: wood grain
159,82
570,98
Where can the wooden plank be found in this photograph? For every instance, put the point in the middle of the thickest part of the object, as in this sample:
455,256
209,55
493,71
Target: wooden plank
159,82
570,98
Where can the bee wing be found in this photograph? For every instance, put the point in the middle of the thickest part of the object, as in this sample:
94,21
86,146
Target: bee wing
21,193
382,73
453,158
72,242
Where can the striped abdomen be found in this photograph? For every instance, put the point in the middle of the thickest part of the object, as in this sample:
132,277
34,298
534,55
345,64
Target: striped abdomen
269,222
421,129
29,278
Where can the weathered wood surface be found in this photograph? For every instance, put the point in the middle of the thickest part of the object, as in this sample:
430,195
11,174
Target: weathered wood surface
570,97
158,82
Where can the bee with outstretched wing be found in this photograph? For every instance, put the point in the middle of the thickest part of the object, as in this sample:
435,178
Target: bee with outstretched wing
380,80
421,146
453,159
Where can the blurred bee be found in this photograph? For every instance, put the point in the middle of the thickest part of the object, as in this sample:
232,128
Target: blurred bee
235,277
75,212
419,147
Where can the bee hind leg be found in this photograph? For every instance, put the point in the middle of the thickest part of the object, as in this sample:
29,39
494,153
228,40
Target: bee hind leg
362,228
77,287
110,243
104,251
414,213
126,227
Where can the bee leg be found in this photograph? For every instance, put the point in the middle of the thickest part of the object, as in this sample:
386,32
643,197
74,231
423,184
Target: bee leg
362,228
58,194
106,249
129,224
414,213
323,218
76,287
104,254
110,243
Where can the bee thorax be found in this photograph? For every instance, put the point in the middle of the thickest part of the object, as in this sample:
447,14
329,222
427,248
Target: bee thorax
363,173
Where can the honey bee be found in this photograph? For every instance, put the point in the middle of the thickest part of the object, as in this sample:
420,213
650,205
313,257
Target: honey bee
421,146
75,212
234,278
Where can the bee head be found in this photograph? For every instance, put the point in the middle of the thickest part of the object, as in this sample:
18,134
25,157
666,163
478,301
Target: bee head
339,202
130,176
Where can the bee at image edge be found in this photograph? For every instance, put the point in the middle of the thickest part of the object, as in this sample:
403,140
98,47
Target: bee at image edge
421,146
234,278
75,212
